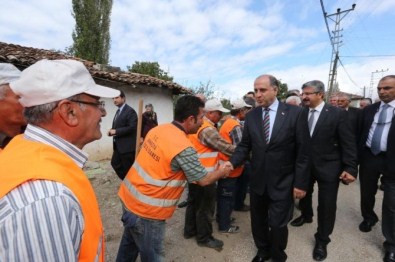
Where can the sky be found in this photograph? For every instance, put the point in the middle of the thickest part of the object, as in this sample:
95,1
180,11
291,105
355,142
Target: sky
227,43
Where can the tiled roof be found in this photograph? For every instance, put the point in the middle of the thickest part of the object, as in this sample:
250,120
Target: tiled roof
23,57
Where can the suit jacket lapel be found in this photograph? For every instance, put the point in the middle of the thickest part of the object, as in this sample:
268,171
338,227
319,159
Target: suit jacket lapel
259,122
321,119
372,113
282,111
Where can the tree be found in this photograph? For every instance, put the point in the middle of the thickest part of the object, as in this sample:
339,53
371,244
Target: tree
151,69
206,89
92,30
282,91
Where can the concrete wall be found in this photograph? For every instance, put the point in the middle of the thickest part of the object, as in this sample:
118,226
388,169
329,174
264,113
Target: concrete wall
160,98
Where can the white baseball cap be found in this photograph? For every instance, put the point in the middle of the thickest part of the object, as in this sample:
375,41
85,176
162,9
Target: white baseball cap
8,73
52,80
215,105
239,103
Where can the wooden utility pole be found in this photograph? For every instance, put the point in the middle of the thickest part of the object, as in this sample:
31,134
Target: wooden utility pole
335,38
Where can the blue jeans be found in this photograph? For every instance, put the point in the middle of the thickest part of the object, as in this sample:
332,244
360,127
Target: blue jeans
141,236
226,189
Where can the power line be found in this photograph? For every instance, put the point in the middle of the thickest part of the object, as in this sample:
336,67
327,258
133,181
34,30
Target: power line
349,77
367,56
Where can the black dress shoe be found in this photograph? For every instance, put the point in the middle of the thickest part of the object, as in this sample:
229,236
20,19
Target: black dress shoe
319,252
258,258
366,226
297,222
182,204
389,257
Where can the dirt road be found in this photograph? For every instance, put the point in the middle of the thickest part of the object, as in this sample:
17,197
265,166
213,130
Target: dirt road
348,243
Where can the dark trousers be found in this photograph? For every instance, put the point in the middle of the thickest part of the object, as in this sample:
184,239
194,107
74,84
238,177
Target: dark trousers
388,214
242,183
200,212
225,201
121,163
327,198
269,218
370,169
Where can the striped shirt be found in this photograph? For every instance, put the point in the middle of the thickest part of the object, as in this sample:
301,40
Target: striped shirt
42,220
188,161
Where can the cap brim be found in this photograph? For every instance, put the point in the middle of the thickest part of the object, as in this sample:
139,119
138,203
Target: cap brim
224,110
102,91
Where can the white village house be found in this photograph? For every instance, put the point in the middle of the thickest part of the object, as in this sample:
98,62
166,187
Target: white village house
136,86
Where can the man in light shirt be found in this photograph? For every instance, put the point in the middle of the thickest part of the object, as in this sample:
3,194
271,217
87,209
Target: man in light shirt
48,209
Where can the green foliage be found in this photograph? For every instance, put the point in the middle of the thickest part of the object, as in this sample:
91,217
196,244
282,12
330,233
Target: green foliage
92,30
282,91
151,69
226,103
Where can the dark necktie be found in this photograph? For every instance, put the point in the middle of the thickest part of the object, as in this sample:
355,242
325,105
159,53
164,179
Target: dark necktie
115,118
311,119
375,146
266,124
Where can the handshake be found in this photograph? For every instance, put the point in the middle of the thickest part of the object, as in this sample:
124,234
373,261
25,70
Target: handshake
226,168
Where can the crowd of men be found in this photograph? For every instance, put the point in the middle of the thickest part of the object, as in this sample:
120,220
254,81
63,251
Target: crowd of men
277,150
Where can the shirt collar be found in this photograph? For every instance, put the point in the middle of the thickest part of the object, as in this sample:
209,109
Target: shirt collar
121,107
38,134
273,106
319,107
391,104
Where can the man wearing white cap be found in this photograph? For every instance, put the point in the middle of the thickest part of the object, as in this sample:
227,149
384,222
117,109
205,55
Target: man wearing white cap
11,116
201,200
49,208
231,131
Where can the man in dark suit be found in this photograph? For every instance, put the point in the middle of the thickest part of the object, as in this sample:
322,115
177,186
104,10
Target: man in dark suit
377,156
333,157
343,102
277,135
123,131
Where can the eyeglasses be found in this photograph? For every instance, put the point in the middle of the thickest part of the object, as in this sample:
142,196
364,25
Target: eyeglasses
100,104
309,93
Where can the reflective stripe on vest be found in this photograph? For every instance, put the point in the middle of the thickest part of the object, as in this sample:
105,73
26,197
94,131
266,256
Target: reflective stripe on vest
151,189
157,182
207,156
149,200
225,130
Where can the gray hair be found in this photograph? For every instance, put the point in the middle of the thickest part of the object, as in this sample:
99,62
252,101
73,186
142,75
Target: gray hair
43,113
316,84
295,99
348,97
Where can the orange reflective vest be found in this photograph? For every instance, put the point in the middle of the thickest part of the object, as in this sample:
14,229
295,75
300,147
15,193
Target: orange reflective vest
207,156
151,189
25,160
225,130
